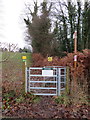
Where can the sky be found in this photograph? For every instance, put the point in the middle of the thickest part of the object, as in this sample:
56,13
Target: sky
12,26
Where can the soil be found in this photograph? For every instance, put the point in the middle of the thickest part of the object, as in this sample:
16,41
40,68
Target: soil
47,108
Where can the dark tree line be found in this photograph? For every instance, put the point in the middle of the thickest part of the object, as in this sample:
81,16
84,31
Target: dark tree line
51,31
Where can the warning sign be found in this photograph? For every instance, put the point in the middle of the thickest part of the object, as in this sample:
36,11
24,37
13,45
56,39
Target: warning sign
50,59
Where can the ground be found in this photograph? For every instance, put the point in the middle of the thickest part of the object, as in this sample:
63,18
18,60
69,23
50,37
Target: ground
18,104
46,108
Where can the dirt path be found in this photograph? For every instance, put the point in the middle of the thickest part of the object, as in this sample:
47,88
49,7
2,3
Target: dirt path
46,108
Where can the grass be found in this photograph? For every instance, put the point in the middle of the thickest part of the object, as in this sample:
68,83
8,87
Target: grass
10,99
14,64
12,71
0,60
63,99
15,58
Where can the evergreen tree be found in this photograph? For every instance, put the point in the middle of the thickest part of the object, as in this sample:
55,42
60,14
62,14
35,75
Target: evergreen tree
86,26
39,29
68,17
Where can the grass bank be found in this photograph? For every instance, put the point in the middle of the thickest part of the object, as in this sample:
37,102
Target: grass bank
12,69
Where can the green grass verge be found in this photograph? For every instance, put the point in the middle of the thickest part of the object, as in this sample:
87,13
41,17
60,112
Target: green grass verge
15,58
12,68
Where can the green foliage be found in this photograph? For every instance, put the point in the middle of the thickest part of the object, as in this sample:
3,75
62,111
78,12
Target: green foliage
67,24
63,99
7,98
33,98
36,99
26,50
19,99
86,26
11,93
10,99
28,95
69,100
60,38
14,58
80,97
77,97
13,65
38,29
59,100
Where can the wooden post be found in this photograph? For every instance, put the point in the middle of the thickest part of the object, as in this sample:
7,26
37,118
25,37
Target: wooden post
75,49
75,64
23,69
24,66
67,80
75,42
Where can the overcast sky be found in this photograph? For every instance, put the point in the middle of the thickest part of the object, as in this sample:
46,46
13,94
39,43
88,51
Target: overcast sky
12,27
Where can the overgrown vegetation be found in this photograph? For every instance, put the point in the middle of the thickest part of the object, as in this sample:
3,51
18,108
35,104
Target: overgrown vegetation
38,29
63,99
58,42
10,99
51,27
72,104
78,81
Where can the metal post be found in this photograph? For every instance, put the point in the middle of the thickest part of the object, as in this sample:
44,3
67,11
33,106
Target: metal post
26,80
29,79
65,72
55,79
59,80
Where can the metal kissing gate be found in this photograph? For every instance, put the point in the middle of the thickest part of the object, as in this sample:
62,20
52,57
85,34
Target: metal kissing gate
48,80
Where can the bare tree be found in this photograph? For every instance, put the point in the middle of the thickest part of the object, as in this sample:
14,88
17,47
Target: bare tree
9,47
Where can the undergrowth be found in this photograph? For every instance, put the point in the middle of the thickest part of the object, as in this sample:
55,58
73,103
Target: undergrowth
63,99
10,99
80,99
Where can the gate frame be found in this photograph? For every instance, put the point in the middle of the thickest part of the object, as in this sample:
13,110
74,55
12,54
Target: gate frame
58,79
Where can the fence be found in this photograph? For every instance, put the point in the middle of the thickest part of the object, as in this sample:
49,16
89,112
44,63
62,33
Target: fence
49,80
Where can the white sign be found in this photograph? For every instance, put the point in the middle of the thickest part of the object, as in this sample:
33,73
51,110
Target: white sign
75,57
47,72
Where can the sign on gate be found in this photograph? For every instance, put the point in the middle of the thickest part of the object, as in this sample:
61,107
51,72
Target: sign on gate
47,72
45,81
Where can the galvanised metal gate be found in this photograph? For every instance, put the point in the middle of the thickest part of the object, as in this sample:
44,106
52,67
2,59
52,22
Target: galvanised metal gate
48,80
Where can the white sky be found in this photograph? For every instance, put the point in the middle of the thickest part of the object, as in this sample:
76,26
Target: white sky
12,27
